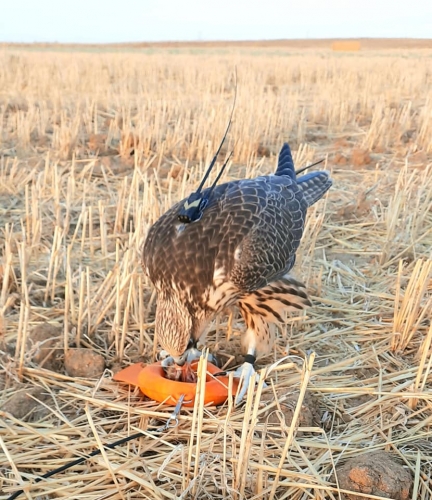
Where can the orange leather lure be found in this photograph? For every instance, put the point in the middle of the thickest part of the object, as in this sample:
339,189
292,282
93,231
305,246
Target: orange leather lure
153,383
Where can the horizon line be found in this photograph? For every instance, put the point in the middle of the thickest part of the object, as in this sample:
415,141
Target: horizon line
218,41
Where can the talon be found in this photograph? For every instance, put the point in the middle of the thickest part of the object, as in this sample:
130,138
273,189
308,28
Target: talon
167,362
162,355
244,373
179,367
192,354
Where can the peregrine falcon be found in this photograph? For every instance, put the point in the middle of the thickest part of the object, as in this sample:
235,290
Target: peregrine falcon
232,244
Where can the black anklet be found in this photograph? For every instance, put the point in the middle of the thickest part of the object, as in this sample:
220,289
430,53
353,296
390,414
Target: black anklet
250,358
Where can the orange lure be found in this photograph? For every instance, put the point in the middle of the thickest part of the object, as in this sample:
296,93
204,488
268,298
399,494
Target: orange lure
153,383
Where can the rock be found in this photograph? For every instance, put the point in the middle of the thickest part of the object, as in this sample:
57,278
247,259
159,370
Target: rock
263,151
23,407
360,157
309,415
84,363
375,473
44,341
340,159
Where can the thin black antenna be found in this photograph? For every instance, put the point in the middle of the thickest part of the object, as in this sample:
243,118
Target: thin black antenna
77,462
301,170
223,139
219,175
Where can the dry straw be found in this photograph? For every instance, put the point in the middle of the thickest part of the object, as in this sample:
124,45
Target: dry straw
75,208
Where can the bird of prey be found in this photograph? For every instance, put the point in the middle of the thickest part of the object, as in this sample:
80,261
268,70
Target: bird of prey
232,244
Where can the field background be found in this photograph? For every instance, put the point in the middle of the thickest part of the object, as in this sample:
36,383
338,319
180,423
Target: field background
95,144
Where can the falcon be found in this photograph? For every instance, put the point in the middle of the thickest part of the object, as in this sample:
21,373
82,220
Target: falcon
232,244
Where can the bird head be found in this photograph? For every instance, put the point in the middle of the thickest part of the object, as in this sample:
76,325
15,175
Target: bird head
173,326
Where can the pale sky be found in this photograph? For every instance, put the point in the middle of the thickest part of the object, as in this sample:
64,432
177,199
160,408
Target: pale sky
94,21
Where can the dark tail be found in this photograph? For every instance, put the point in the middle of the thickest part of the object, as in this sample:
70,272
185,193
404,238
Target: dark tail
314,185
285,163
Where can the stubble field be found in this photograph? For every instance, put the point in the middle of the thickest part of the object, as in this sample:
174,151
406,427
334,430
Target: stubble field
94,147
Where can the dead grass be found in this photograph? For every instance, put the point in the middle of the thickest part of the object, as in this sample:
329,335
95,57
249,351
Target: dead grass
95,147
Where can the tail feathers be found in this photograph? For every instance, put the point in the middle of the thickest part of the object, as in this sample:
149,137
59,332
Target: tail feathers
314,186
270,302
285,162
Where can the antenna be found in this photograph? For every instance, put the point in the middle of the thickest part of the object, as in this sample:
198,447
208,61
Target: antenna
196,203
219,175
223,140
301,170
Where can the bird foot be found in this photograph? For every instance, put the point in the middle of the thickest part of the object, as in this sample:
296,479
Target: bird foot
246,372
189,356
194,353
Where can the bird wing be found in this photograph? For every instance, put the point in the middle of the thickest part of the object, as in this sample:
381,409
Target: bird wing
267,250
248,236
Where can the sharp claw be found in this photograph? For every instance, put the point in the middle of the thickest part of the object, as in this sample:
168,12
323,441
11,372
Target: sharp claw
167,362
245,372
191,355
194,353
161,355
